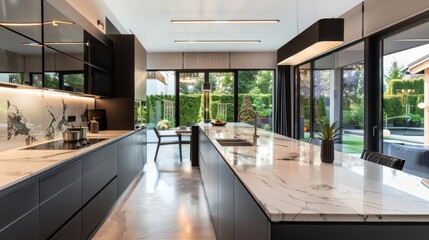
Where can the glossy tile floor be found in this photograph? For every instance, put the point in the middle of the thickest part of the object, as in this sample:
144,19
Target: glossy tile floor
166,202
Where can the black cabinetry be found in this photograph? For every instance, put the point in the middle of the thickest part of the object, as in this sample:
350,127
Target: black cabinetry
129,81
60,198
98,169
71,59
71,200
19,211
234,212
127,153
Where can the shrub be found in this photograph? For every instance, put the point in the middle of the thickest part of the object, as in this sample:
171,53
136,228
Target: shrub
392,105
396,85
190,108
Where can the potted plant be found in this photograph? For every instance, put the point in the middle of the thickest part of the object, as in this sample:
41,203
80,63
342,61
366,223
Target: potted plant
327,134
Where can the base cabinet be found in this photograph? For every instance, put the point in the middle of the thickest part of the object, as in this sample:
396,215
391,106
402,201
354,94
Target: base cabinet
19,211
60,197
27,227
225,226
98,208
234,212
213,186
126,162
71,200
249,220
72,230
98,168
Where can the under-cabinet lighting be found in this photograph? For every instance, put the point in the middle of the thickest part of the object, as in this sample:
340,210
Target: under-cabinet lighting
27,24
35,44
226,21
217,41
317,39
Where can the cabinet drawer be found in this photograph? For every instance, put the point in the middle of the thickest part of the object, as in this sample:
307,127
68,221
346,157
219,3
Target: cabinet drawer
57,181
98,169
98,208
58,209
126,162
17,203
71,231
27,227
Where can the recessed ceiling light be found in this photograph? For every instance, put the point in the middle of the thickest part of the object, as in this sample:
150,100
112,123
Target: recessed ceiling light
226,21
217,41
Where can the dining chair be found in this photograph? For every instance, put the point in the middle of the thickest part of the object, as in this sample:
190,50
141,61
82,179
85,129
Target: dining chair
166,140
383,159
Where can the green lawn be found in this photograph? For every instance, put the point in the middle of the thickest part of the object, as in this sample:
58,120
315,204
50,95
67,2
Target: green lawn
352,144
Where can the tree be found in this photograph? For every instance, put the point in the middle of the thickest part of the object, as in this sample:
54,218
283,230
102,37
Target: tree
395,72
247,116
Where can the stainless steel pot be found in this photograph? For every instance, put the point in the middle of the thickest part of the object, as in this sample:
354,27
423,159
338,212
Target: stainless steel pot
71,136
82,130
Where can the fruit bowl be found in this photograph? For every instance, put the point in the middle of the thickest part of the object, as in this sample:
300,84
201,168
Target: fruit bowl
218,123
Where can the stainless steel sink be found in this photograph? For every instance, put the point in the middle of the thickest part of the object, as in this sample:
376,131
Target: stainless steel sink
234,142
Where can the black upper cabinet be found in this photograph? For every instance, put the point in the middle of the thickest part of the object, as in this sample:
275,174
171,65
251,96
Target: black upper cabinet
64,72
99,68
62,33
74,60
24,17
19,61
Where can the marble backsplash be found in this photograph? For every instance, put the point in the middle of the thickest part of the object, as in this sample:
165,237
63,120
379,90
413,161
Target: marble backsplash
30,116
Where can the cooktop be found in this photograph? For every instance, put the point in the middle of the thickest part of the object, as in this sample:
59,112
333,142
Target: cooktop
61,145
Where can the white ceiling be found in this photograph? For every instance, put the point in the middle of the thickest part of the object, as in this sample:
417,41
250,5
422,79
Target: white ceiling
150,20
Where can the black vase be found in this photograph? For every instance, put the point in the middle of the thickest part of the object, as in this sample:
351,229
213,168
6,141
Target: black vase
327,151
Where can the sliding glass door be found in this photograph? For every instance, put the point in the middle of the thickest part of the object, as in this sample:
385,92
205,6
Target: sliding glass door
331,90
406,72
230,92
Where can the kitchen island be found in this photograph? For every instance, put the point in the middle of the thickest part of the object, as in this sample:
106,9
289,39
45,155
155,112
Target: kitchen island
50,193
280,189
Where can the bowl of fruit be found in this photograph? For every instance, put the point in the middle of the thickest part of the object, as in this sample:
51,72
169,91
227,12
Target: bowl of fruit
218,122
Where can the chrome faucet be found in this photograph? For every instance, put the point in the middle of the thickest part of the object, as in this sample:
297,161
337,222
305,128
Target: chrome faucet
255,115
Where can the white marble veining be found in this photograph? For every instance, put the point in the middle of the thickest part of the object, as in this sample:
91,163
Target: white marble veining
290,183
17,164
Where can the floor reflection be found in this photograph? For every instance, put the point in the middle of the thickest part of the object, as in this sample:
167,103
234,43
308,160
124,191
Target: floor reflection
166,202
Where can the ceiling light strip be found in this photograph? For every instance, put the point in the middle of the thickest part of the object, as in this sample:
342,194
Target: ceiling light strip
217,41
226,21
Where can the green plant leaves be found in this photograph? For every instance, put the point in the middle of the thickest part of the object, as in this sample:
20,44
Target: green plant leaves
327,131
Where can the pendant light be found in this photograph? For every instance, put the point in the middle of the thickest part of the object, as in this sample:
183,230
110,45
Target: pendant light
319,38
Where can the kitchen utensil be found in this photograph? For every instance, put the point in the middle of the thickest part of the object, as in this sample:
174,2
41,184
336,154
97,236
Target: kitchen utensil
82,130
71,136
94,125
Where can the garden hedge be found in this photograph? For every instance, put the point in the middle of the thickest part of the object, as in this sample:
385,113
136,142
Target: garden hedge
396,85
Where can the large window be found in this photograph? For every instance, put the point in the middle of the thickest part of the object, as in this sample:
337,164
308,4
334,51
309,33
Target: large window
160,98
303,78
405,71
222,95
331,89
190,97
255,90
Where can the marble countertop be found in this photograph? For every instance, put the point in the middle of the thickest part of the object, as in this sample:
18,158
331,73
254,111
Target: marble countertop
291,184
17,165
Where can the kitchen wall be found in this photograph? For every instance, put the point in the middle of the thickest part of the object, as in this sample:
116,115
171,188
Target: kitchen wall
211,60
29,116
